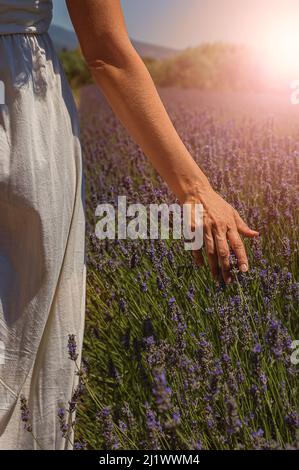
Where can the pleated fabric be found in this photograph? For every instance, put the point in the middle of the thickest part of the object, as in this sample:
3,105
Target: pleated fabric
42,231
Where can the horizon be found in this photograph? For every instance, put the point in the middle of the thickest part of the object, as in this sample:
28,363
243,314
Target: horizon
269,27
252,22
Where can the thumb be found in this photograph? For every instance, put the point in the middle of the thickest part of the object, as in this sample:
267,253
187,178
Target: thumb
198,257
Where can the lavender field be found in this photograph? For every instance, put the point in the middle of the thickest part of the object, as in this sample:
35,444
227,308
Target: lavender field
172,360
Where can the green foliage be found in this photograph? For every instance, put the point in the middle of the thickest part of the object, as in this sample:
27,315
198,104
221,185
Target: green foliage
210,66
214,66
75,68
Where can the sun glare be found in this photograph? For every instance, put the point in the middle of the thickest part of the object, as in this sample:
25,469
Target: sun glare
281,51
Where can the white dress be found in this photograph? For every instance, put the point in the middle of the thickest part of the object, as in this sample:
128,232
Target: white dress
42,225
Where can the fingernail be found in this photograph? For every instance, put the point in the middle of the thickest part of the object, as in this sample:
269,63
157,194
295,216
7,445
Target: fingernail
243,268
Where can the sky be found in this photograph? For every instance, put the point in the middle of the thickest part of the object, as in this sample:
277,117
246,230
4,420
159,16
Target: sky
183,23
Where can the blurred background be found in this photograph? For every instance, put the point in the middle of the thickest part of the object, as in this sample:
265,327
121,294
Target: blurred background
250,45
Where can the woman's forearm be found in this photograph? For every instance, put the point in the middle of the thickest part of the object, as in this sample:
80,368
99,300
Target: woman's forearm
125,81
135,100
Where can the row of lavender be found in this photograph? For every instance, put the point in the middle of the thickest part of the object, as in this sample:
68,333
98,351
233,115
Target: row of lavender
172,360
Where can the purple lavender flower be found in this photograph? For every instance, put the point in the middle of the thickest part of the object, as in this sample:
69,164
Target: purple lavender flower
72,348
162,391
111,440
258,433
257,349
80,445
64,427
154,428
77,396
176,416
122,305
25,414
190,294
122,426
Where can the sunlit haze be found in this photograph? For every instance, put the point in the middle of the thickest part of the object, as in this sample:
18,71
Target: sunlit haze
271,27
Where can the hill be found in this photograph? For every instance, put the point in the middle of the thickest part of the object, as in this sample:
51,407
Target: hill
65,39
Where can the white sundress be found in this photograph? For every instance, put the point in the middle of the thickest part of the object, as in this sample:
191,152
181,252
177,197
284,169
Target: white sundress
42,228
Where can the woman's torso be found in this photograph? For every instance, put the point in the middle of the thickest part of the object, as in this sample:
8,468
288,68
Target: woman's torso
30,71
25,16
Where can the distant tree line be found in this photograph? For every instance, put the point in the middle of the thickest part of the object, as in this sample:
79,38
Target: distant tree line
215,66
75,68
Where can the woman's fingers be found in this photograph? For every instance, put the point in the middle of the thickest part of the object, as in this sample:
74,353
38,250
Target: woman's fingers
243,227
238,248
211,253
223,254
221,235
198,257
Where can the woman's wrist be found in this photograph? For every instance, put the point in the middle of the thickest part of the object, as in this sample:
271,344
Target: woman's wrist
195,189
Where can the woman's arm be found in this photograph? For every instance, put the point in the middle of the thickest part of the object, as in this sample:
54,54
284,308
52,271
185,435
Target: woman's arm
125,81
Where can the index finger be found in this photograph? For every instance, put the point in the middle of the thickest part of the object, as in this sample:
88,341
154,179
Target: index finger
238,248
223,255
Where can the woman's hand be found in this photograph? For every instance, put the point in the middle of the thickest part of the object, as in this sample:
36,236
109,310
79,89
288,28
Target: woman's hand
222,227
